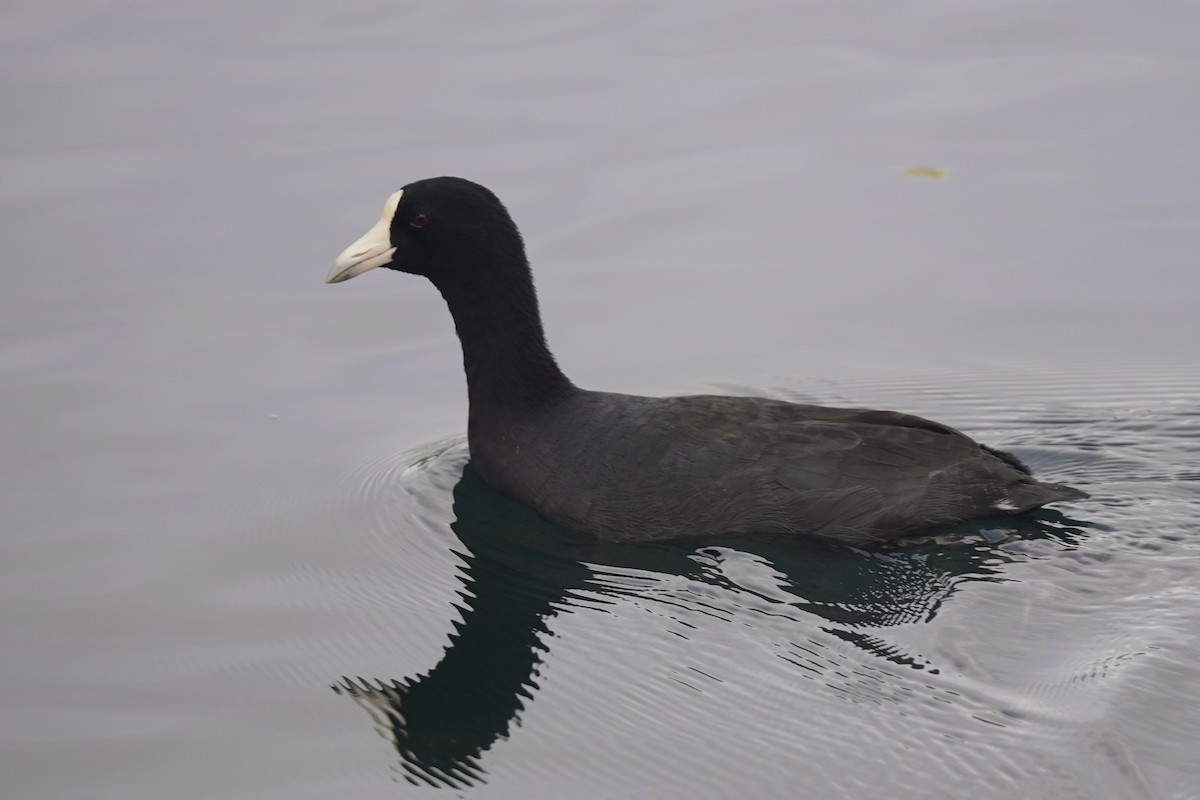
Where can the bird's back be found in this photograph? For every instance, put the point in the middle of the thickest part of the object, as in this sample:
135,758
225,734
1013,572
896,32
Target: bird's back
622,467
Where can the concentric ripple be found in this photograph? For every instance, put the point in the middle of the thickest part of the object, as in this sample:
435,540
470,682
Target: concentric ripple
1010,653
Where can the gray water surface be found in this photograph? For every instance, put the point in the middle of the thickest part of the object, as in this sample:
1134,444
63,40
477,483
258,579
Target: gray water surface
242,555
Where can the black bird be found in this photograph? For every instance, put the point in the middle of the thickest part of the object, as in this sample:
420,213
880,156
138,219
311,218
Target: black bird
628,468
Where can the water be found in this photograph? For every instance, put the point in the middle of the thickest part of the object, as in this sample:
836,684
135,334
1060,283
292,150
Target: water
241,556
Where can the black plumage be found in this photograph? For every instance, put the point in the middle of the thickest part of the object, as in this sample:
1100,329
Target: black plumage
629,468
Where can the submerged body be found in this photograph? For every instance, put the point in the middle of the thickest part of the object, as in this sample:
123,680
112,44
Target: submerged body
629,468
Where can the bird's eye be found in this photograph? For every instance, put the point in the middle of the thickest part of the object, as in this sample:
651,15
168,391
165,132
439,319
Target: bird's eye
420,220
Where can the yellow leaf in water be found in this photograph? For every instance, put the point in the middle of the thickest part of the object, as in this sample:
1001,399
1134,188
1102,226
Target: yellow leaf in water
925,172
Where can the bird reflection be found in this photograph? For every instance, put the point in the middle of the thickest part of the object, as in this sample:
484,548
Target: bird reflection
522,570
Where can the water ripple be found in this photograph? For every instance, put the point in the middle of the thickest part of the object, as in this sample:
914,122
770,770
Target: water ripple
987,645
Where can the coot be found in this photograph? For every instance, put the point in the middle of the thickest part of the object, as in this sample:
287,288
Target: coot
627,468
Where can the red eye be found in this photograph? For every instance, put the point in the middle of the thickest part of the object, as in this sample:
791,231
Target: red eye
420,220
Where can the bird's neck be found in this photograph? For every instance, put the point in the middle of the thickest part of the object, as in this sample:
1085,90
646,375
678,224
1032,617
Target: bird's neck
510,370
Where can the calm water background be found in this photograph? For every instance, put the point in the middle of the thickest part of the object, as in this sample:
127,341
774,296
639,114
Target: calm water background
240,556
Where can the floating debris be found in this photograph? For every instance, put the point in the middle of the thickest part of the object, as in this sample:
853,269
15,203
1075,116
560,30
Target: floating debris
935,173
